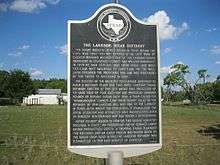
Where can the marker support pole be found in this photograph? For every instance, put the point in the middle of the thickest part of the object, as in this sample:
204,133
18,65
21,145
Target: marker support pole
116,1
115,158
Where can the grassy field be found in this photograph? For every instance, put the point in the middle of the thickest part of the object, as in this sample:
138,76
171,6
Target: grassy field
37,135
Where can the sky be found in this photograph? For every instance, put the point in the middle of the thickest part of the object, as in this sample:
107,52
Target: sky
33,33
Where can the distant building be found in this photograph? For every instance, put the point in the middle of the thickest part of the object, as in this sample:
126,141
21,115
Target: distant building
46,97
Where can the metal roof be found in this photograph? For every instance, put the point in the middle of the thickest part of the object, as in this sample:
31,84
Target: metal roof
49,91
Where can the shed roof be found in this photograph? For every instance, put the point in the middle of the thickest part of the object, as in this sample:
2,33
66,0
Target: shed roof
49,91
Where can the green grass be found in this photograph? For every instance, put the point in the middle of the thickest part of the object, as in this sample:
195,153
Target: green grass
37,135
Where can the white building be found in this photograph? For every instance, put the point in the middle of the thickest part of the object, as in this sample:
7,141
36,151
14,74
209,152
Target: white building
46,97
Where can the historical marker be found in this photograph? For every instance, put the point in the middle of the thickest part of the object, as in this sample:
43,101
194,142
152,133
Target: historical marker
114,88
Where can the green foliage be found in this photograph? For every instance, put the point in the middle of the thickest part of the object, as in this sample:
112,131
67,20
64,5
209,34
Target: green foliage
204,93
52,84
19,85
39,84
3,83
178,96
15,85
6,101
58,83
171,80
216,88
177,78
179,71
196,93
203,74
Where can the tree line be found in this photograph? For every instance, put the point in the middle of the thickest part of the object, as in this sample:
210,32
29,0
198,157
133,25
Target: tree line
16,84
179,88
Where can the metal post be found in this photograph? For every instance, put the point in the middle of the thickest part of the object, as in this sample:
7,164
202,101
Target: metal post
115,158
116,1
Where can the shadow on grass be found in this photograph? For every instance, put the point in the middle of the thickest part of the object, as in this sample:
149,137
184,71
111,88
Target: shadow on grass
213,131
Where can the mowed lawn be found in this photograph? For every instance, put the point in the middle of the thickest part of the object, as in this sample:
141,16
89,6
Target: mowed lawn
37,135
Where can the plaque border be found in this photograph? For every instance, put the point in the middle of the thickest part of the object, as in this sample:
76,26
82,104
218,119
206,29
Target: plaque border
101,151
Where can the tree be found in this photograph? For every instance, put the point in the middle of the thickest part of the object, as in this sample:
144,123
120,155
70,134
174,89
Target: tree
203,74
57,84
179,71
170,81
39,84
196,93
218,78
204,93
216,86
3,82
19,85
52,84
177,77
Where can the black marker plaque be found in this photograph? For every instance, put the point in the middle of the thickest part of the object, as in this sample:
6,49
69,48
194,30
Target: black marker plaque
114,94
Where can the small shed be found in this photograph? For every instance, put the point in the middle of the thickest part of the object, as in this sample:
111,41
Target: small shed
45,97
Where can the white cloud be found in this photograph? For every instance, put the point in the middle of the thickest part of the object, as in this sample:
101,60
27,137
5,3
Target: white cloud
35,72
30,6
27,6
62,49
180,62
203,50
15,54
215,49
211,29
20,50
167,50
53,2
166,29
217,62
24,47
167,69
3,7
